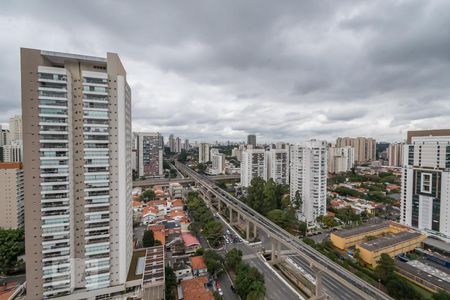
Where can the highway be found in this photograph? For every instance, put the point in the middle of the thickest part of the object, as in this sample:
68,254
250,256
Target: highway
313,258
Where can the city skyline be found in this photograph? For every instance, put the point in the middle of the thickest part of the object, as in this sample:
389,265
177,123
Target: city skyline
300,84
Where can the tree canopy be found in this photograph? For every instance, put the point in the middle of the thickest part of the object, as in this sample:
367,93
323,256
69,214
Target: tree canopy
11,246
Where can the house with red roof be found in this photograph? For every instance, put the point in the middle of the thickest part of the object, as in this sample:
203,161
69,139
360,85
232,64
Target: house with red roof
191,243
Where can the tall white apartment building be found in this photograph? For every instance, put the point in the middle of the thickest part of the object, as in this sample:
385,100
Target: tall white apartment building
425,193
340,159
203,153
395,154
253,164
178,145
172,143
308,176
365,148
218,163
12,152
76,113
4,136
149,154
277,162
15,128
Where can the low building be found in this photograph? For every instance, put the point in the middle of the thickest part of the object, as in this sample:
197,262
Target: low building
191,243
391,244
175,190
198,266
344,239
182,267
195,289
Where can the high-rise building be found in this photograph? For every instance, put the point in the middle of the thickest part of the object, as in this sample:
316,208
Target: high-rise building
218,163
76,113
12,152
203,153
186,145
149,154
365,148
11,196
308,177
178,145
172,143
253,164
4,136
15,128
251,140
278,165
425,192
395,154
340,159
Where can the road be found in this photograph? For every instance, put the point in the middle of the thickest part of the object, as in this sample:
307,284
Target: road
346,279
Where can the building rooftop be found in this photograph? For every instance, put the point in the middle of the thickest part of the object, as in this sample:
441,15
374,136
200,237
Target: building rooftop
198,262
389,240
135,271
10,165
189,240
154,266
194,289
438,244
361,229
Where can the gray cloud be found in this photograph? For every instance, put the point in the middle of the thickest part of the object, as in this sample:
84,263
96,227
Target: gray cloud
291,70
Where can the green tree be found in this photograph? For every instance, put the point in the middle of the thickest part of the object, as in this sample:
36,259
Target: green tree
441,295
148,240
233,259
255,194
246,281
221,184
297,201
257,291
400,289
213,231
182,157
214,262
148,195
11,246
201,168
170,282
303,228
385,268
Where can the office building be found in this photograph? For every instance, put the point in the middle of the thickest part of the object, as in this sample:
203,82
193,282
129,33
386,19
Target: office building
253,164
365,148
203,153
149,154
15,128
218,163
186,145
425,192
172,143
76,113
308,177
251,140
340,159
278,165
395,154
11,196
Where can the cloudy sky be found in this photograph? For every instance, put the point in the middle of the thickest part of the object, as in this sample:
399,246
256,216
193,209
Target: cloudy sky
284,70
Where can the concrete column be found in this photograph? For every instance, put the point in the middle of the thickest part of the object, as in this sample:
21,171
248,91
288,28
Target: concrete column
272,256
319,289
247,230
254,230
219,204
231,215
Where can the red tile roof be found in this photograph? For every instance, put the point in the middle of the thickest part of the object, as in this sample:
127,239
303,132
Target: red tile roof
189,240
198,262
194,289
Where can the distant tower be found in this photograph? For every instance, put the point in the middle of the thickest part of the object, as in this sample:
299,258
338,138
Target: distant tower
251,140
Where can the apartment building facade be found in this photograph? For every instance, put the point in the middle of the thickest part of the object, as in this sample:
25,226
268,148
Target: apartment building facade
278,165
11,196
340,159
425,192
149,154
253,164
308,177
395,154
76,113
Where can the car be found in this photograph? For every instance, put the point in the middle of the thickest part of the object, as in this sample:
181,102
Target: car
219,290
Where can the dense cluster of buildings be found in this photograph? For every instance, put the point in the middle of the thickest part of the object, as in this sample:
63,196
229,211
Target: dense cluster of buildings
11,145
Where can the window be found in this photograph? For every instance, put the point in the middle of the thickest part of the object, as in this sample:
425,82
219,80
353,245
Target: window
426,183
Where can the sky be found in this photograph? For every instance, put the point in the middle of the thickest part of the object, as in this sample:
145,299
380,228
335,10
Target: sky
283,70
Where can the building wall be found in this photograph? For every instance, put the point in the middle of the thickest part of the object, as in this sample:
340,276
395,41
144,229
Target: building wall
203,153
425,199
395,154
253,164
77,172
365,148
340,159
11,196
278,165
149,154
308,175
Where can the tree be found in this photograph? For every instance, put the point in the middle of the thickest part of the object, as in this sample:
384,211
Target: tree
400,289
148,240
201,168
257,291
213,231
303,228
170,282
297,201
255,194
214,262
249,281
233,259
148,195
221,184
11,246
385,268
441,295
182,157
